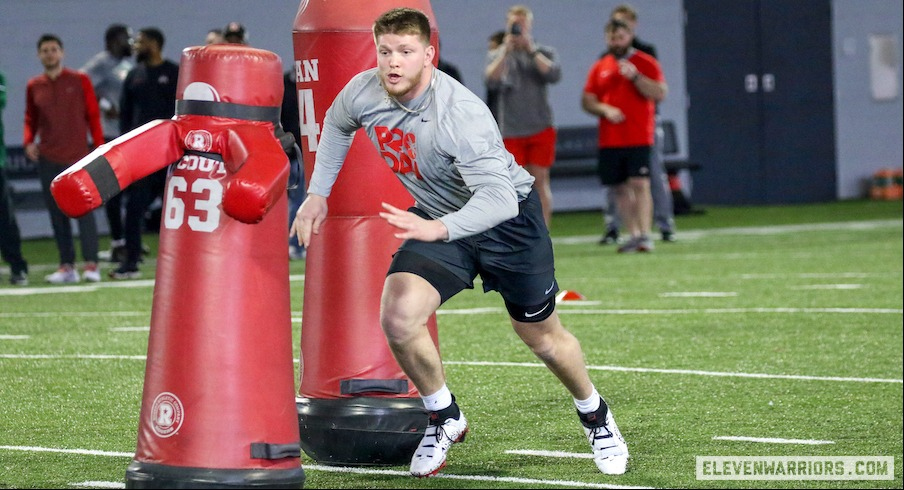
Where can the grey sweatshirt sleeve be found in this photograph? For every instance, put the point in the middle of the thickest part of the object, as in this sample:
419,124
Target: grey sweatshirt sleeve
473,140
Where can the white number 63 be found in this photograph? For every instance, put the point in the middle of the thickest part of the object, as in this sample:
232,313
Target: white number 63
205,216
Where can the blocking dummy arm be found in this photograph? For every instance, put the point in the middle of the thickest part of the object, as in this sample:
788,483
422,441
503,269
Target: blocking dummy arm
261,172
112,167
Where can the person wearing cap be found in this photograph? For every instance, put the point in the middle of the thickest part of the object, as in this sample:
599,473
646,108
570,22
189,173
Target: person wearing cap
235,33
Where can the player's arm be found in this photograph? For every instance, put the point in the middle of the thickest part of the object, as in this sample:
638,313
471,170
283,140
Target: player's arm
92,112
308,218
592,105
648,81
473,138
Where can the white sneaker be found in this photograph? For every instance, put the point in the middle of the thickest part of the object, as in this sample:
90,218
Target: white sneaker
610,452
63,275
430,456
91,273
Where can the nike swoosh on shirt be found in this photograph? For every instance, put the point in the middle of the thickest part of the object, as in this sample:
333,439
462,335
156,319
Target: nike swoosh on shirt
550,289
529,315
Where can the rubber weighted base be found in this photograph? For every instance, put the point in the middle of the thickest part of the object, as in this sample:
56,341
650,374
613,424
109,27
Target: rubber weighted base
361,431
149,475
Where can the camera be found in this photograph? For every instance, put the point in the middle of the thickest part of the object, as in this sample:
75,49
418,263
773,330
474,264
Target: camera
515,30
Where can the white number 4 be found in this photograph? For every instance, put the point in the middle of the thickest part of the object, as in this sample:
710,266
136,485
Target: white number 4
308,124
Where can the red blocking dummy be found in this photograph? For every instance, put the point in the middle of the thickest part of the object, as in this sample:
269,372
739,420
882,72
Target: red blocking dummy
218,406
355,405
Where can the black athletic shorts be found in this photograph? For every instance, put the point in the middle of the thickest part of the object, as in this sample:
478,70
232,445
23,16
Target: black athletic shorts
616,165
514,257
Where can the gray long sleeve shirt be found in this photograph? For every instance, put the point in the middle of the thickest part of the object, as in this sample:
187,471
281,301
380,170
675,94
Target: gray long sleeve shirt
447,151
523,99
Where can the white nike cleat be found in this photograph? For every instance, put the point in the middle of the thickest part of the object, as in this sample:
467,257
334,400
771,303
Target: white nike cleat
610,452
430,456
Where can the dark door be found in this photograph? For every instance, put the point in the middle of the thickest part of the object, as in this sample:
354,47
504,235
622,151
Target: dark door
761,114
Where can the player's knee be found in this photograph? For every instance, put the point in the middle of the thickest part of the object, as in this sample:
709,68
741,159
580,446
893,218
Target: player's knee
531,314
399,324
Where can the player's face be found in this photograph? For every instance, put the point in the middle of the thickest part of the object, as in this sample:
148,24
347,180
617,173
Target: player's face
404,65
619,41
51,55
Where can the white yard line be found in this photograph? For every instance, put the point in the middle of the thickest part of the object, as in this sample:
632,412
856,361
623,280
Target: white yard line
87,287
682,311
815,275
83,452
332,469
684,371
99,484
525,364
699,294
773,440
550,454
830,286
495,479
754,230
55,314
566,307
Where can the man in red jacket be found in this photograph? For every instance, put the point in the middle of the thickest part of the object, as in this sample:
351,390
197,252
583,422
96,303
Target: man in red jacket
622,89
61,111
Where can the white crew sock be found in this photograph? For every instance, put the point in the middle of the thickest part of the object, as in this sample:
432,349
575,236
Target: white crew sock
589,405
439,400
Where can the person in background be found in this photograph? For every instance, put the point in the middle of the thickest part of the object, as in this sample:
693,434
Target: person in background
107,71
475,213
492,94
234,33
10,238
521,70
214,36
149,93
663,205
622,90
61,112
447,67
291,123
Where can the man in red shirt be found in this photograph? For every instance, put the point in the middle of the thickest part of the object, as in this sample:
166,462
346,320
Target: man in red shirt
60,112
622,89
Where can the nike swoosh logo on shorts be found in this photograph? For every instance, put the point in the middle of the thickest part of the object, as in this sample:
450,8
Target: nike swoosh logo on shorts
530,315
550,288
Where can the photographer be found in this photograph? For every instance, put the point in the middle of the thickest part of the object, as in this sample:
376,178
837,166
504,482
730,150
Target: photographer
519,71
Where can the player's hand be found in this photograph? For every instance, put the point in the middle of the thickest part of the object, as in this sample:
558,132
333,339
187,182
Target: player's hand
412,226
308,218
627,69
613,114
31,152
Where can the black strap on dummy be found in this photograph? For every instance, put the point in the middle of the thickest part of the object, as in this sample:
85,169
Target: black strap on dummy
104,178
263,450
357,386
228,109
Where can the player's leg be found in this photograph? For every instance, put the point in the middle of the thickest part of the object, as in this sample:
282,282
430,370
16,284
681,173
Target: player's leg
407,303
417,284
562,354
524,274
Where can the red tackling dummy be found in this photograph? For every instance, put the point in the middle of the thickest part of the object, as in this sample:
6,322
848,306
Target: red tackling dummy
218,404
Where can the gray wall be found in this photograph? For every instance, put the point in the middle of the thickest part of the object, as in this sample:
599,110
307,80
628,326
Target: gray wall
869,134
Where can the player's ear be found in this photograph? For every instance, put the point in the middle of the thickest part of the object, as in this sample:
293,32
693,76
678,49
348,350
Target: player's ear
430,53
